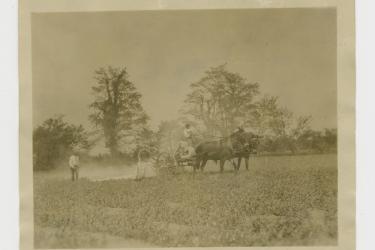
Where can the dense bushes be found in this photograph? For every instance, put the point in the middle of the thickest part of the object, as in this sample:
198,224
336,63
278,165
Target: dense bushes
310,141
53,140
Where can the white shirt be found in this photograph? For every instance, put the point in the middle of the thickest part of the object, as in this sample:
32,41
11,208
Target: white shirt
73,161
188,132
188,152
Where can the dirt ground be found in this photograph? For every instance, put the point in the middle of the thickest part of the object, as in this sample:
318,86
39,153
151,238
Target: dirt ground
50,237
101,173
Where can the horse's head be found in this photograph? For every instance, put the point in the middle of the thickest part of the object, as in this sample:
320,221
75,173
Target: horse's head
255,142
249,142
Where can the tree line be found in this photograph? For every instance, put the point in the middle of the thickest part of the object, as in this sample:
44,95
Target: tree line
218,103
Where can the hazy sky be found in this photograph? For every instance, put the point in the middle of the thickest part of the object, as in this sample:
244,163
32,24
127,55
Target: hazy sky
291,53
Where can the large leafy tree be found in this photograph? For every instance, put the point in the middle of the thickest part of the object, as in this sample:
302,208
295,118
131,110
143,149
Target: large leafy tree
220,100
116,109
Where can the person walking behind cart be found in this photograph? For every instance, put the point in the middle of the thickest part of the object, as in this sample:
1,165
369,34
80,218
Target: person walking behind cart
74,166
188,134
187,151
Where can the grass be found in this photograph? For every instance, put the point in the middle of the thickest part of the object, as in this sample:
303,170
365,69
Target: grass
288,200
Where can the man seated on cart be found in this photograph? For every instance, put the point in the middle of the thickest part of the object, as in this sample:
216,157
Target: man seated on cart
189,134
186,152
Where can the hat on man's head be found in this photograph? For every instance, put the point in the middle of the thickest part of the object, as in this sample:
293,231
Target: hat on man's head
240,129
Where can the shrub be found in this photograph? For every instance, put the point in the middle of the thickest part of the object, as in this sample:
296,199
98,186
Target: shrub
53,140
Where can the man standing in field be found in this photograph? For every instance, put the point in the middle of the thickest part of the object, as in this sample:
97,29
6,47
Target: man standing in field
74,166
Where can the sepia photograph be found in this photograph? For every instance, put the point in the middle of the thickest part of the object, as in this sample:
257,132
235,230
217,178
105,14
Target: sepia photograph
184,128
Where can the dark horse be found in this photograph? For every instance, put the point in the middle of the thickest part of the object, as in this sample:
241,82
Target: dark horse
237,145
213,150
244,145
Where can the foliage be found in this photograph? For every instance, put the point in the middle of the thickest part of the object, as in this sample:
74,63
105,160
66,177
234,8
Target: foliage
54,139
220,100
117,108
281,201
270,119
318,141
282,131
169,134
146,141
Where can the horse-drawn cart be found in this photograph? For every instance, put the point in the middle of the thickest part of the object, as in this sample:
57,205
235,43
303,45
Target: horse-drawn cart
166,162
182,162
226,149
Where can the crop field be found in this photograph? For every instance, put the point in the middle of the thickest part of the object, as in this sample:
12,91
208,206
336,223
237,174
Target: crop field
281,200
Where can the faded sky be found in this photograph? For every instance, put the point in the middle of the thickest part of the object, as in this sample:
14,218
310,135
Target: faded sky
290,52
